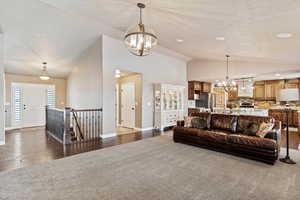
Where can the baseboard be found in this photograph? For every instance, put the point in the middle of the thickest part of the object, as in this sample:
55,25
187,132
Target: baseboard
146,129
2,143
12,128
108,135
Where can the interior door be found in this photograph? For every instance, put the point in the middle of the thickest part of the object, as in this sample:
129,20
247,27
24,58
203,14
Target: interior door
128,105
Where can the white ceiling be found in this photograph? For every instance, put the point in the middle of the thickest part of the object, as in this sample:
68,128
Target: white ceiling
57,31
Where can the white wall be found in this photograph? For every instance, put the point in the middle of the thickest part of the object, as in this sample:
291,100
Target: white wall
155,68
2,93
84,87
207,70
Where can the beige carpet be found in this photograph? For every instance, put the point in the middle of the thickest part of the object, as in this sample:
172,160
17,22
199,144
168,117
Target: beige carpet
152,169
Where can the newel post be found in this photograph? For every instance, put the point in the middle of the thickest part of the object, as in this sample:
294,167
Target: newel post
67,132
46,117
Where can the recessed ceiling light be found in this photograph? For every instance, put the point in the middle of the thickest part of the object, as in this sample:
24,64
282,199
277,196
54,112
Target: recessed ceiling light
277,74
220,38
179,40
284,35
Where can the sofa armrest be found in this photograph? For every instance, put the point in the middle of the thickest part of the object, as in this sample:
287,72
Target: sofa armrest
180,123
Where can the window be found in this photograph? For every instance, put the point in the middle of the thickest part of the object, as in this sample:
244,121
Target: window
51,97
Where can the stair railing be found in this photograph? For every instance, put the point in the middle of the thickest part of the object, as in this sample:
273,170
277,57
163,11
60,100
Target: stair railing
86,124
74,125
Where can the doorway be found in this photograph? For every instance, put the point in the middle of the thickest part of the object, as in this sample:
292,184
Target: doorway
128,102
28,104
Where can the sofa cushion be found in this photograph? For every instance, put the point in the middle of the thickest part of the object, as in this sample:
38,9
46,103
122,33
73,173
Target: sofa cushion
186,131
251,130
244,121
188,121
264,129
252,141
213,136
224,122
205,116
198,122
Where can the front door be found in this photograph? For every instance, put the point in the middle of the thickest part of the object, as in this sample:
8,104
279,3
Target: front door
128,105
29,101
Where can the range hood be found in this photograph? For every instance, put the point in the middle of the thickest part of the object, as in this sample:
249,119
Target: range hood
245,89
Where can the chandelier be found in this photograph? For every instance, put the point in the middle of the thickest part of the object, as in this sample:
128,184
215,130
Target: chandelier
227,84
44,76
140,39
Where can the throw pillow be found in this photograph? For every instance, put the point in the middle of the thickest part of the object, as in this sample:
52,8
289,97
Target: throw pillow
252,129
233,124
264,128
188,121
198,123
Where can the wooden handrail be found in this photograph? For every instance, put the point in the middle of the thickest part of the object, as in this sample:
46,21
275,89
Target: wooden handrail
85,110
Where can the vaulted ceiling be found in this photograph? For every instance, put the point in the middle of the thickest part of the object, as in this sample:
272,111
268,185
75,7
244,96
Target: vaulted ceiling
57,31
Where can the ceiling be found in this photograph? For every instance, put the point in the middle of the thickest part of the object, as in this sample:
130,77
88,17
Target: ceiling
57,31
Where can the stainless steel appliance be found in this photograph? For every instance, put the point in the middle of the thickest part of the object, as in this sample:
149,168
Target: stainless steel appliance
206,100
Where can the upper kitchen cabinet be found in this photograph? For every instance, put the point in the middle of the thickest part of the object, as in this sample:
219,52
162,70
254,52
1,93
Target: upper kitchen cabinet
232,95
206,87
196,87
259,90
270,90
292,83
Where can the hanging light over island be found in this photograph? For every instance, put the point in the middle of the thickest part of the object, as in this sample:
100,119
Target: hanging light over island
140,39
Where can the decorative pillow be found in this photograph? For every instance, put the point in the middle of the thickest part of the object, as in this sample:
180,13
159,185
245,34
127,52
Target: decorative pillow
234,124
264,128
205,116
224,122
252,129
188,121
244,121
198,122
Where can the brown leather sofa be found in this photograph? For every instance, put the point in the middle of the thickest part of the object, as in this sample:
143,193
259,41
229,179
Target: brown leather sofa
225,133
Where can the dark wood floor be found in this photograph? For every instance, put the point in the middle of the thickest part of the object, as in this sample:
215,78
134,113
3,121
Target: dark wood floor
26,147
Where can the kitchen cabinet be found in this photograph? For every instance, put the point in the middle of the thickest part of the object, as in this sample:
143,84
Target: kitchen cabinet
232,95
193,110
191,90
220,97
270,90
206,87
196,87
280,115
259,92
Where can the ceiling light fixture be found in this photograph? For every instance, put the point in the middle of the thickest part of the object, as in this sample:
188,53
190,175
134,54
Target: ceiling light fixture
284,35
227,84
139,39
44,76
220,38
179,40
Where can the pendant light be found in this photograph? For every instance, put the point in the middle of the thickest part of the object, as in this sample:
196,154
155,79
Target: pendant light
44,76
227,84
140,39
